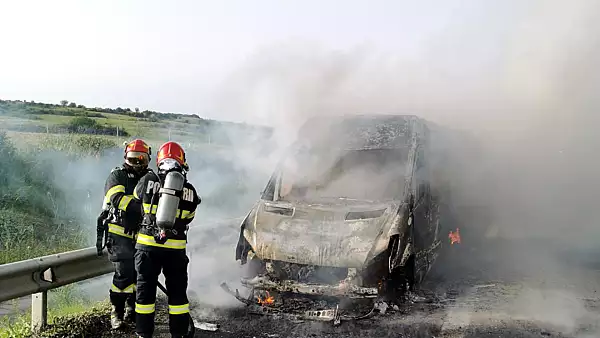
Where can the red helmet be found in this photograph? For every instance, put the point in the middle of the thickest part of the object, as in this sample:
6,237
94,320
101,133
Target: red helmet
137,154
173,151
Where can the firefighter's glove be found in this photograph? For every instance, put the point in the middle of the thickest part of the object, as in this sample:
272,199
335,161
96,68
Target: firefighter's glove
100,230
100,221
130,228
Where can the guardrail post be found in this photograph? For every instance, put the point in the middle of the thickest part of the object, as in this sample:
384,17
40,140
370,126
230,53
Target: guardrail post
39,311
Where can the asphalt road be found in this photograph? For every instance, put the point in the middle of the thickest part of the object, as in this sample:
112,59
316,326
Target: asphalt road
484,287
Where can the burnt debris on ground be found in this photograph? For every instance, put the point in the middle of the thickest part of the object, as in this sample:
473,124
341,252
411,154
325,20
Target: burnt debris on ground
478,289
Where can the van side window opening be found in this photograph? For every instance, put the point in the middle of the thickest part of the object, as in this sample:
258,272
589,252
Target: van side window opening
421,174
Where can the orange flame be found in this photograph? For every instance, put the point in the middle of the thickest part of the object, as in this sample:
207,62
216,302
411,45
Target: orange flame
269,300
454,237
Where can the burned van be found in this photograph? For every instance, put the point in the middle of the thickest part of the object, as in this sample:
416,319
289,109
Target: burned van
349,213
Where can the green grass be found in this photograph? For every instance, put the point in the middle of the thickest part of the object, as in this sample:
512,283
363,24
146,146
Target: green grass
54,119
186,130
131,125
31,142
15,122
24,235
32,215
64,304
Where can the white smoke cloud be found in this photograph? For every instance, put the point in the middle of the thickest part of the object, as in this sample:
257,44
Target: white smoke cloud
525,90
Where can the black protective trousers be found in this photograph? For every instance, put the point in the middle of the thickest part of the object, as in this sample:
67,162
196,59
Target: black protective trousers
148,264
122,290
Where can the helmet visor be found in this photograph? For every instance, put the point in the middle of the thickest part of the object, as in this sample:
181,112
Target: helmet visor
137,159
168,164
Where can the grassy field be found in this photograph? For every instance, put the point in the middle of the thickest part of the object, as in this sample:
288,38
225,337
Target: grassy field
28,141
22,114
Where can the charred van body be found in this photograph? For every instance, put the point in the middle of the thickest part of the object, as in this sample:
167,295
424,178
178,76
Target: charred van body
349,213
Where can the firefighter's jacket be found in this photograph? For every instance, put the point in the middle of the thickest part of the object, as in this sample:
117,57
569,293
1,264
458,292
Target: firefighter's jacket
147,193
123,209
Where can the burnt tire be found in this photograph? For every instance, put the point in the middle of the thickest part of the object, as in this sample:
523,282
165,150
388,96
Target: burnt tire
406,275
400,281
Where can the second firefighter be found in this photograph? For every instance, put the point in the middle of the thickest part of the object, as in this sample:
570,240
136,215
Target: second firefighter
169,203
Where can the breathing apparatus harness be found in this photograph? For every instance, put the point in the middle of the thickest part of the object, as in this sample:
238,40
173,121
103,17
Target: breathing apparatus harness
172,177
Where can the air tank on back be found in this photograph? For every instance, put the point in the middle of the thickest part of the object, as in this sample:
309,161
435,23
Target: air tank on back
168,201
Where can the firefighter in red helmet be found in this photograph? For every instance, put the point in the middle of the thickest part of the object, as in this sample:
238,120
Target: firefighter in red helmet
169,203
118,223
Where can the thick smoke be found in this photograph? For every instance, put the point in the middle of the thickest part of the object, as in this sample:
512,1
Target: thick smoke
523,91
530,110
520,83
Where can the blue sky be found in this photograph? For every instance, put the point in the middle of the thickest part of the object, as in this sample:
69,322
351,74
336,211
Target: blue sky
176,56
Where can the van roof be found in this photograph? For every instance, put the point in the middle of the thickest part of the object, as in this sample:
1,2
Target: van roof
377,131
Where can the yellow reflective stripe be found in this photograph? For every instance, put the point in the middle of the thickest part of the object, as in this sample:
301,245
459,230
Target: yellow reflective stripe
118,230
129,289
146,207
169,244
125,202
144,308
135,194
186,214
183,214
112,191
179,309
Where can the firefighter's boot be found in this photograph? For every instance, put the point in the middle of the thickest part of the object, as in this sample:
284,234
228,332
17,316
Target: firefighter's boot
129,314
130,310
116,318
118,308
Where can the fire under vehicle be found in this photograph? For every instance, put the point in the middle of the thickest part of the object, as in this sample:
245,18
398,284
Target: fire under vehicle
349,216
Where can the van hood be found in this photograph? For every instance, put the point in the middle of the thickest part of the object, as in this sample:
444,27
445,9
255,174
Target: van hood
335,233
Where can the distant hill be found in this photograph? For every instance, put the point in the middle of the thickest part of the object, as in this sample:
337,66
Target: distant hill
69,117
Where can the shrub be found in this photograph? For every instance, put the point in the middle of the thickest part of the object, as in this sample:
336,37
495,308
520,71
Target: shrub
81,123
76,145
92,114
86,125
94,145
24,187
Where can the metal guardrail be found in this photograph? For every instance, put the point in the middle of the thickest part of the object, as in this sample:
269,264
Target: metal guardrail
38,275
